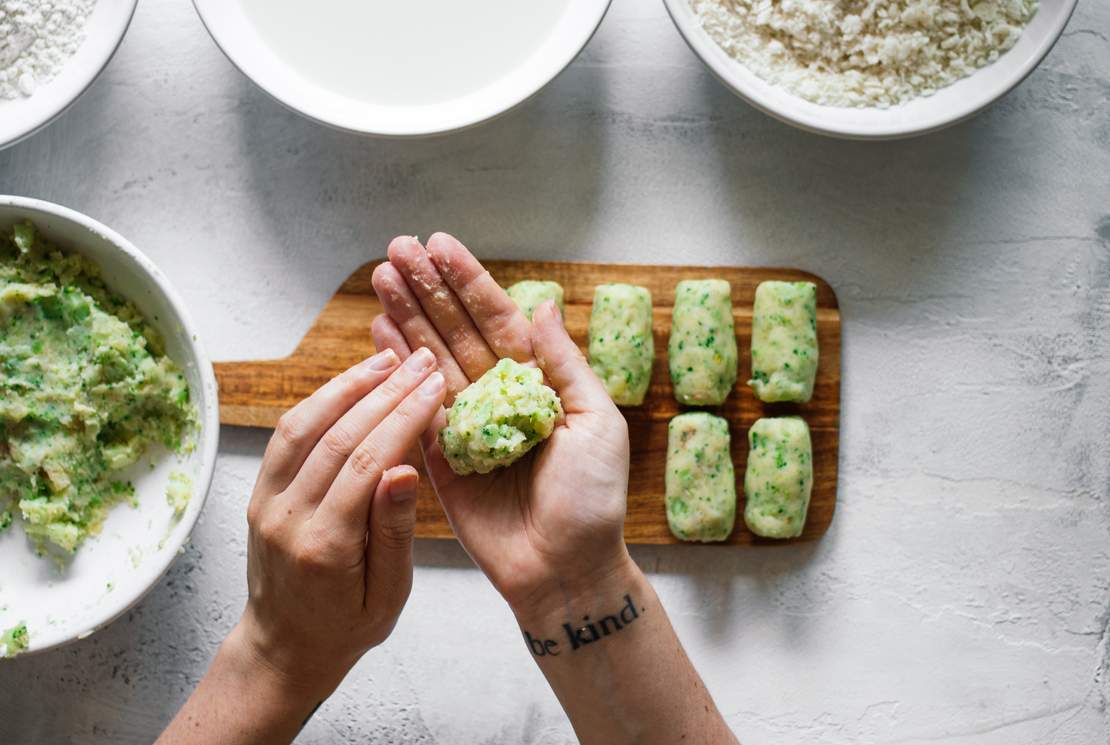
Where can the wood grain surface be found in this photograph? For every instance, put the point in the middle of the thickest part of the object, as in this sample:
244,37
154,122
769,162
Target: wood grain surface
255,394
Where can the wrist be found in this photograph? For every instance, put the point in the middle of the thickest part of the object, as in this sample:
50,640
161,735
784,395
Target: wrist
297,691
565,598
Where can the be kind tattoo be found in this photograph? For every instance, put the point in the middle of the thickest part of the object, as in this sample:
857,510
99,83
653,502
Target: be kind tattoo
587,632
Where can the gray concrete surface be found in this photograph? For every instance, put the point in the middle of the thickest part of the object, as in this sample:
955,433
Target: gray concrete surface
962,595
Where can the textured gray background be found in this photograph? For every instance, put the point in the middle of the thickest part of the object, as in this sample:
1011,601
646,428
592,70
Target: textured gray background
962,593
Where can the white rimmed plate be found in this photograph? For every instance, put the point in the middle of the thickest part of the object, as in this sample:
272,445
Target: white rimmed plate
234,33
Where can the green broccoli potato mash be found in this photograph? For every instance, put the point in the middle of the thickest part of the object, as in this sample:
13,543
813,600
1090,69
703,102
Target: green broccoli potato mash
702,350
779,478
15,640
621,343
529,294
499,418
179,492
85,388
784,341
700,480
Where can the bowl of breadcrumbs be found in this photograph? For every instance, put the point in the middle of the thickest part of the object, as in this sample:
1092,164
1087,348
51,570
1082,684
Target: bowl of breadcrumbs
871,69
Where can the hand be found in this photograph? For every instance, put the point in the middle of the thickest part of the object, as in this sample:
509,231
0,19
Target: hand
551,525
329,564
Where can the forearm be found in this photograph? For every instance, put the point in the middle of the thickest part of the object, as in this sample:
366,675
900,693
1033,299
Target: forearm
241,701
616,665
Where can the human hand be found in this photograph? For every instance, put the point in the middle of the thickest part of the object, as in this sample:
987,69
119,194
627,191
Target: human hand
550,526
329,563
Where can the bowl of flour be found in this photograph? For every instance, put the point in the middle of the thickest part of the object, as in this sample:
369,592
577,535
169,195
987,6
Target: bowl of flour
871,69
51,51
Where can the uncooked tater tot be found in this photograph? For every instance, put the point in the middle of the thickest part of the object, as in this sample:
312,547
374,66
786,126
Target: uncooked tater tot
784,341
528,294
700,482
498,418
779,478
702,351
622,348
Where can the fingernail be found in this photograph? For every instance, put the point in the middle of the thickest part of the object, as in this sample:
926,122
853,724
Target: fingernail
420,360
433,386
402,492
382,360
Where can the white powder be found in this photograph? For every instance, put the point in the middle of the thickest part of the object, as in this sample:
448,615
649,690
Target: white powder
864,52
37,37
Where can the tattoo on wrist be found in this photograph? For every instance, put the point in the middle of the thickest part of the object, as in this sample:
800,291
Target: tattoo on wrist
576,635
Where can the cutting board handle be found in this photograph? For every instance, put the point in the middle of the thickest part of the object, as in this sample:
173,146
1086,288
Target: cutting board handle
257,393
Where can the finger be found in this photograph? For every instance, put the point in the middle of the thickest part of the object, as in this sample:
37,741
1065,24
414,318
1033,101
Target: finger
441,306
403,481
301,427
337,444
389,543
402,306
388,336
564,365
346,505
497,317
439,471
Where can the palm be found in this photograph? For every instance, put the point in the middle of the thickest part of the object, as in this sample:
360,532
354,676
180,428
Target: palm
563,504
553,507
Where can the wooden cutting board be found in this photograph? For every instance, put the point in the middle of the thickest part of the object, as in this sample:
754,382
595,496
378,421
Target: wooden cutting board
255,394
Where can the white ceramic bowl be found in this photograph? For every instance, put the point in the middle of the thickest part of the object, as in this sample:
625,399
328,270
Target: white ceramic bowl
946,107
104,30
112,571
236,36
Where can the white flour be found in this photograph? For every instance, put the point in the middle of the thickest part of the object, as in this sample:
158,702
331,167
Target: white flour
37,37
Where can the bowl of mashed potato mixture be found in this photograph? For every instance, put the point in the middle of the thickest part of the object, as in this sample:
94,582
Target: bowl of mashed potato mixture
108,425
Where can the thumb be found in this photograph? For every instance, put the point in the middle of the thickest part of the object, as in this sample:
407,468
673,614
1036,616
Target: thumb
389,540
564,365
